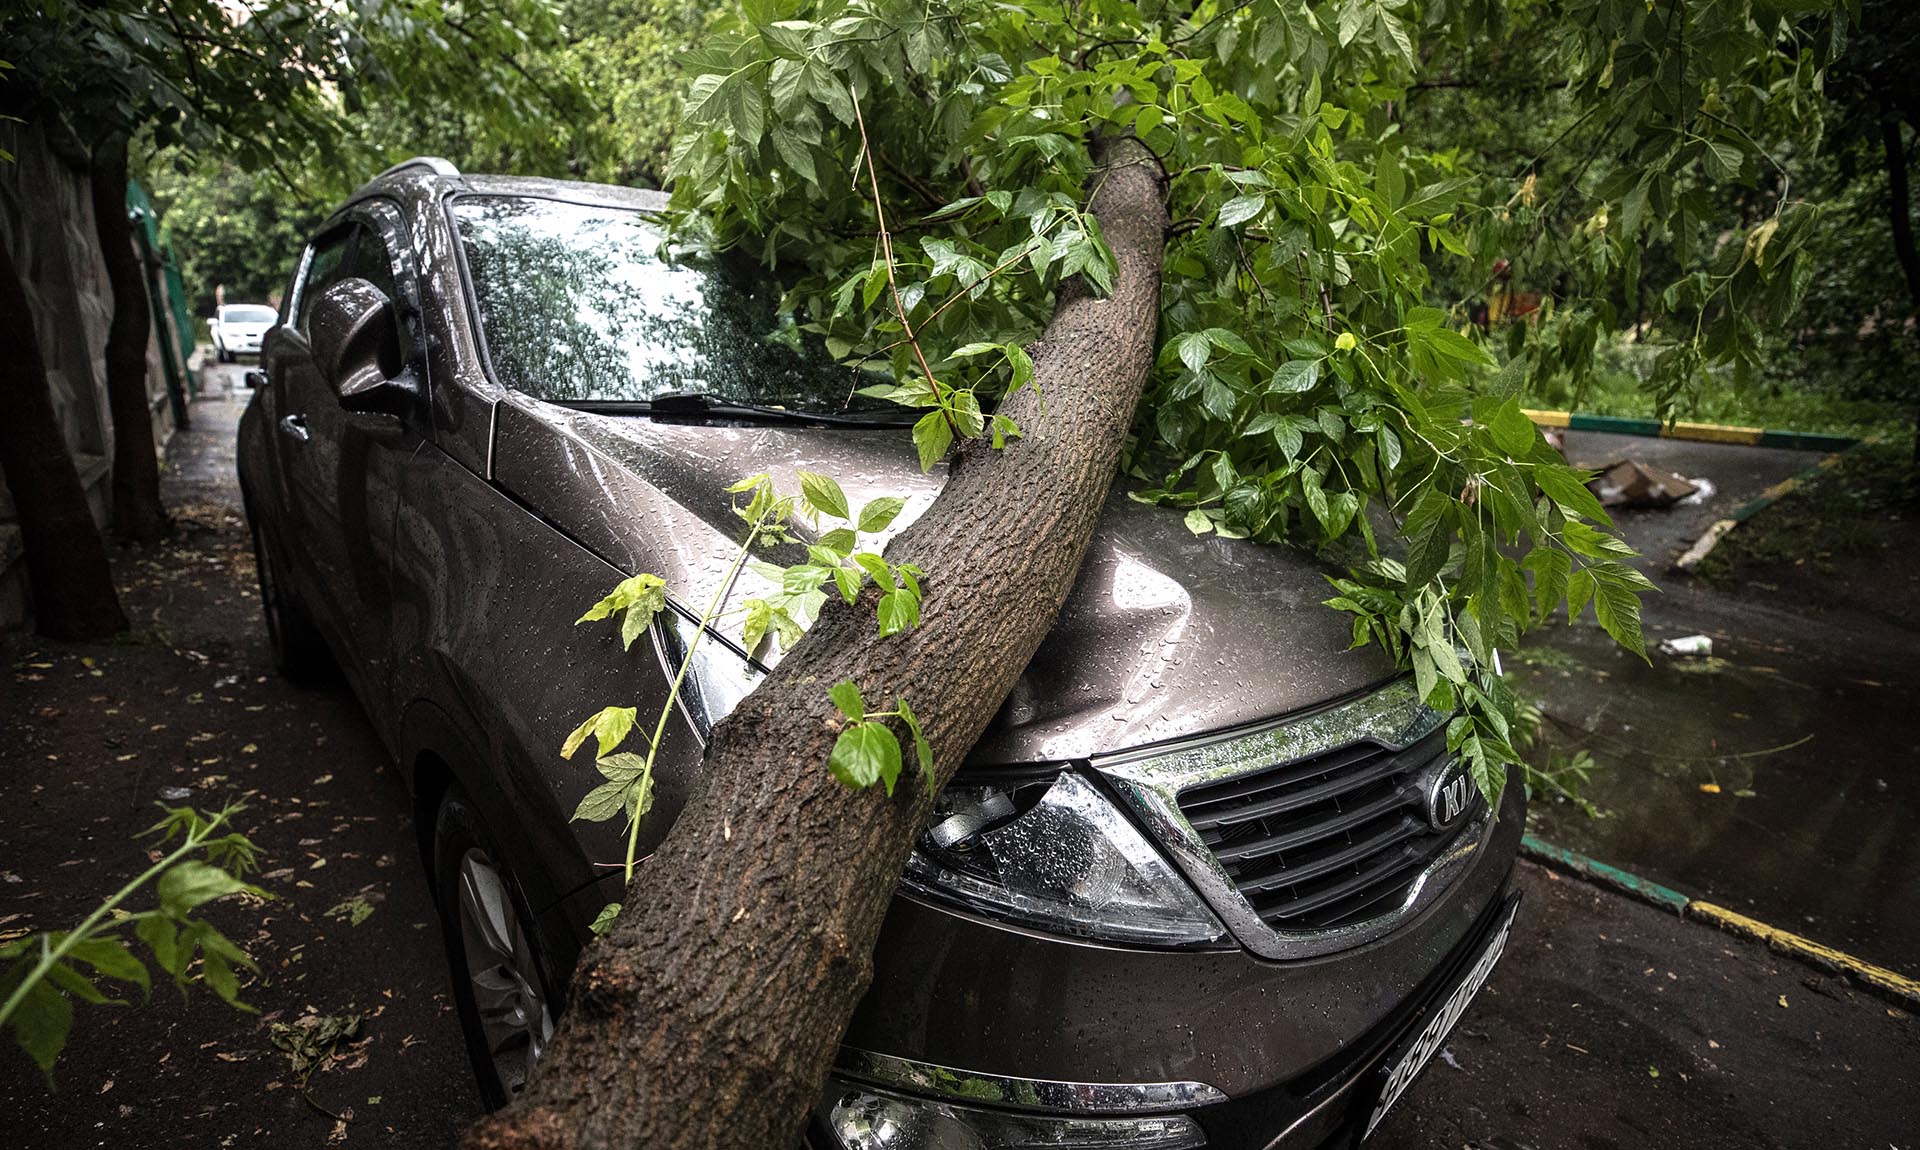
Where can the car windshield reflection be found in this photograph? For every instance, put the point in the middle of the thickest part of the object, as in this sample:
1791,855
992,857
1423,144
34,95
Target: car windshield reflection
578,306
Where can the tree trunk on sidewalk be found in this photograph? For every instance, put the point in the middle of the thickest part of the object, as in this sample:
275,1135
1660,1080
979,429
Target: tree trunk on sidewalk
73,594
137,513
711,1012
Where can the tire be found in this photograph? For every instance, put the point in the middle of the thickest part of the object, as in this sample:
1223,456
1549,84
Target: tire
502,988
221,355
299,651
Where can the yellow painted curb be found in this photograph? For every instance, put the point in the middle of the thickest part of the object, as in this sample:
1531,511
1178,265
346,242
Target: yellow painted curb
1897,986
1548,418
1712,432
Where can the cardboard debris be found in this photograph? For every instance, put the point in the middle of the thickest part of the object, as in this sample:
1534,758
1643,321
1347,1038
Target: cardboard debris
1631,483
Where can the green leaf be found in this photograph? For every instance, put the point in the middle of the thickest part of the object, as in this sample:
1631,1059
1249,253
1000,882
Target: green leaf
839,541
1429,532
1617,605
847,580
111,959
864,754
603,922
1240,209
1296,375
1550,567
846,696
823,494
163,939
932,437
922,749
1568,488
609,727
759,617
880,511
899,611
189,883
41,1023
1512,430
602,802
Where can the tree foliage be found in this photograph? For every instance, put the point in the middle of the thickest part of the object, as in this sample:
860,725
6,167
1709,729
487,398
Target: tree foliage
1316,381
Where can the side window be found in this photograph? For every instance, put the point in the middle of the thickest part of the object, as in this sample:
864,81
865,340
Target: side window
324,266
372,262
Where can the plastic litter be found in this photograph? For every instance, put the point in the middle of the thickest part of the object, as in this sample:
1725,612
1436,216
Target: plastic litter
1688,646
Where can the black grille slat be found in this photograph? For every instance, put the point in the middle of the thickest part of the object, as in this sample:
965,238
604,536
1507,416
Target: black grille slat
1340,860
1271,779
1327,840
1314,831
1361,775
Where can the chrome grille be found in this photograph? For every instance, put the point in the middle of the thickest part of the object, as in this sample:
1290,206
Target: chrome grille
1327,840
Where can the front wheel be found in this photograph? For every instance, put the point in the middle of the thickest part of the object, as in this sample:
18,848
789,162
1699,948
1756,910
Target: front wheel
500,986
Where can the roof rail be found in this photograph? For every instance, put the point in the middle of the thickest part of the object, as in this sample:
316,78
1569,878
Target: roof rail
438,166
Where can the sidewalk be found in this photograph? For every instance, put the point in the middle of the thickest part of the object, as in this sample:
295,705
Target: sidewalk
95,734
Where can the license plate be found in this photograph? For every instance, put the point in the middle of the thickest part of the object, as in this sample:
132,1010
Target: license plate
1414,1056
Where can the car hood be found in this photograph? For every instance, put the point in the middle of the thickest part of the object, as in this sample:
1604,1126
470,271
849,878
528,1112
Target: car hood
1166,634
238,327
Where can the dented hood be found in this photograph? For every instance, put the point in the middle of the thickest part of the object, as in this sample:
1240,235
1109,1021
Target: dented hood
1165,634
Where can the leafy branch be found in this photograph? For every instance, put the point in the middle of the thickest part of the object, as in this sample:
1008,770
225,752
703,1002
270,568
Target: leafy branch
47,971
782,616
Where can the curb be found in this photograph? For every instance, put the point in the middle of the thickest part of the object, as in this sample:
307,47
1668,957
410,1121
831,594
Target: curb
1703,546
1702,432
1898,989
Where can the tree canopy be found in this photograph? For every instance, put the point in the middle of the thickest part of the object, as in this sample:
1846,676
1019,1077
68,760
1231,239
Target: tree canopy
1316,382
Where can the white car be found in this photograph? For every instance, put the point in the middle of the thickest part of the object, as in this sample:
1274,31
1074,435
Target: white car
237,327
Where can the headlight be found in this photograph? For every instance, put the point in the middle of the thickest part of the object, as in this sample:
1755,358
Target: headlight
1048,852
862,1118
1056,855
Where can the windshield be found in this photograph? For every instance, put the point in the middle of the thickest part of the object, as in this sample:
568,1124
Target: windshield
578,306
241,313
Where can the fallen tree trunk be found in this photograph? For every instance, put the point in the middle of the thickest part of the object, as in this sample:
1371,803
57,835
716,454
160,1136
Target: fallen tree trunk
73,595
711,1012
137,513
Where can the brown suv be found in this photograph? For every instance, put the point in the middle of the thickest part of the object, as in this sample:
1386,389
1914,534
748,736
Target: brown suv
1209,879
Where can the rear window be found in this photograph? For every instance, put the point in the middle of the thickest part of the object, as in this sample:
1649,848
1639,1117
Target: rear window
247,313
578,305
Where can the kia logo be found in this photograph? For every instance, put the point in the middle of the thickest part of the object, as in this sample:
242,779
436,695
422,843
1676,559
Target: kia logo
1450,793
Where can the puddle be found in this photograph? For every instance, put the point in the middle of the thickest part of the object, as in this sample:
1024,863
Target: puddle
1780,785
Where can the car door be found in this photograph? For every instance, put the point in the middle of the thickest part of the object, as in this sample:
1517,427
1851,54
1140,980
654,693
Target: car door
342,467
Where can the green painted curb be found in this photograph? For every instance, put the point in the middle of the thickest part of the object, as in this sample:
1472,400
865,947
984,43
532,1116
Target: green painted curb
1630,884
1702,432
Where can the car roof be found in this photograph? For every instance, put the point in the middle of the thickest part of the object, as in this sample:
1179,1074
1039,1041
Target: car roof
429,175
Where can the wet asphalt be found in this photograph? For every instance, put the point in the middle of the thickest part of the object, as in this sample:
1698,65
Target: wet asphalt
1609,1024
1781,776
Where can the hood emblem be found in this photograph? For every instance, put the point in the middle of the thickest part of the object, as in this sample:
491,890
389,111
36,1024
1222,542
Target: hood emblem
1449,792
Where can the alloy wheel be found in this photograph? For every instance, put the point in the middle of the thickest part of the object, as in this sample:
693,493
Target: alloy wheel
506,984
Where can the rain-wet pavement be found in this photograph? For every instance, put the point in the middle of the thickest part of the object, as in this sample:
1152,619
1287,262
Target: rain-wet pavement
1738,473
186,709
1609,1024
1781,776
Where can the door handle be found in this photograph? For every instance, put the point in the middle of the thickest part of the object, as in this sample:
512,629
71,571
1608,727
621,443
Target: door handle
296,426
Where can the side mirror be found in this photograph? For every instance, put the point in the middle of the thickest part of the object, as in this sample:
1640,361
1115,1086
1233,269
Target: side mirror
255,379
356,346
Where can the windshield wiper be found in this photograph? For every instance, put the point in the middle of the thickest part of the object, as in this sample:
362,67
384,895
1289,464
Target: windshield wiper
706,405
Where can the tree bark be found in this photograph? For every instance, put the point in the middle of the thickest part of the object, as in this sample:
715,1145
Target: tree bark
67,568
711,1013
1900,215
137,513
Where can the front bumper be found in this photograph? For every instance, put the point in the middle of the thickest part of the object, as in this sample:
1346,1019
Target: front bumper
1291,1051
